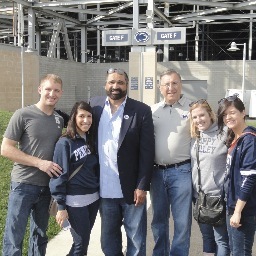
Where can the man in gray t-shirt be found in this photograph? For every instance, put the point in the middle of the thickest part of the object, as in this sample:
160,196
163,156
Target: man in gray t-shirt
29,142
171,183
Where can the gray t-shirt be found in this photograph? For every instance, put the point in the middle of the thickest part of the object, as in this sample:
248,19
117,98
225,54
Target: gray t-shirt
36,134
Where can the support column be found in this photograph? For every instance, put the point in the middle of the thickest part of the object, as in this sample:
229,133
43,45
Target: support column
20,25
250,38
142,62
38,41
98,37
149,63
166,46
31,28
135,72
83,17
142,73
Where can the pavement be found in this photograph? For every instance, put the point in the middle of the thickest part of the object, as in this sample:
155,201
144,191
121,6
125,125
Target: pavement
60,244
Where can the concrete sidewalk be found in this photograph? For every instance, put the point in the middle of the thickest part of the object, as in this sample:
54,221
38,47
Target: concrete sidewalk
60,245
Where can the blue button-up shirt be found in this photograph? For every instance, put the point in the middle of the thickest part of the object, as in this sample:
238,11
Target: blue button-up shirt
108,136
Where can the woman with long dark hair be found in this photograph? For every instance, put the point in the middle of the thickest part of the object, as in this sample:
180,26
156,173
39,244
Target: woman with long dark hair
240,185
77,198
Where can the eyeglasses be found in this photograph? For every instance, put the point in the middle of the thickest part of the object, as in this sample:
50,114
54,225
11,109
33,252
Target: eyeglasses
117,70
168,85
229,98
201,101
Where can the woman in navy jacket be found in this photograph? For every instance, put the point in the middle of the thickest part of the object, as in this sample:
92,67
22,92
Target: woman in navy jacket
240,176
77,198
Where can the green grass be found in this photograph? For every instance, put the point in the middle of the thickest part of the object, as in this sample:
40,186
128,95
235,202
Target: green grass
251,122
5,171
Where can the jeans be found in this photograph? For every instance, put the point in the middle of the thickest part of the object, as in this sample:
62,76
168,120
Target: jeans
241,239
209,244
115,213
81,220
171,188
215,239
26,200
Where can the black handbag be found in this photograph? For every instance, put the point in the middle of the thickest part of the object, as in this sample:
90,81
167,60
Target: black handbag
208,209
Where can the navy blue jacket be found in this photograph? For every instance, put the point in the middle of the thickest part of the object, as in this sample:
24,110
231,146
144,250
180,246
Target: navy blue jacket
70,154
136,145
242,174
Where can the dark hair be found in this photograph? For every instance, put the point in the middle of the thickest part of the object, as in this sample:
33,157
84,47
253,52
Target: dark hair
223,106
118,71
71,131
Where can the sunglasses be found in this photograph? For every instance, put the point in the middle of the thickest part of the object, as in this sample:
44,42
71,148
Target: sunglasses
229,98
201,101
117,70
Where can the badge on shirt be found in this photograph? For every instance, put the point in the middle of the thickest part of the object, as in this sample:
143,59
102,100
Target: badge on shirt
185,115
126,117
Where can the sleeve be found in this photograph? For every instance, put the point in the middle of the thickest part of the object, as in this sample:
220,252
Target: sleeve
147,151
247,167
16,126
58,185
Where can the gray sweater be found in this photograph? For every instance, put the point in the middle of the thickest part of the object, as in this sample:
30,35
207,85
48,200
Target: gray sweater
212,158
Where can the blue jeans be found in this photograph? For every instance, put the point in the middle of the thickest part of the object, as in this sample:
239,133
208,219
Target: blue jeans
171,188
26,200
241,239
115,213
81,220
215,239
209,244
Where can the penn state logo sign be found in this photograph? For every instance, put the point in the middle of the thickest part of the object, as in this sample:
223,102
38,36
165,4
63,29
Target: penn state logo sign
141,37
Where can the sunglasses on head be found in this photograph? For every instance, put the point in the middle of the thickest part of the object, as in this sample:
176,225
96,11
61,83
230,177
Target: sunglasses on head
116,70
229,98
201,101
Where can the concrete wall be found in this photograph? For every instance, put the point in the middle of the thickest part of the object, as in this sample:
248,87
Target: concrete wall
10,78
81,81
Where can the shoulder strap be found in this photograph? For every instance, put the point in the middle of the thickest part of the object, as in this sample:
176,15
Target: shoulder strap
198,167
76,170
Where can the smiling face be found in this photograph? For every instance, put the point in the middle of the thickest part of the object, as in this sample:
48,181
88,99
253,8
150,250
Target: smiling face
233,118
170,88
116,86
201,118
83,121
50,92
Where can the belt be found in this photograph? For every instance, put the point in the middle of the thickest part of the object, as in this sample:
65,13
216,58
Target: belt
167,166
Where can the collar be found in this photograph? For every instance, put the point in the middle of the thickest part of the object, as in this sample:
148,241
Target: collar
78,136
181,102
122,104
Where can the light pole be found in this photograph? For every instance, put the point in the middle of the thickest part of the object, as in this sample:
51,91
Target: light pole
22,76
234,48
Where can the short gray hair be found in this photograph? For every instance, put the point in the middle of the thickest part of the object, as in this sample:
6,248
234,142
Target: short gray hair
169,72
